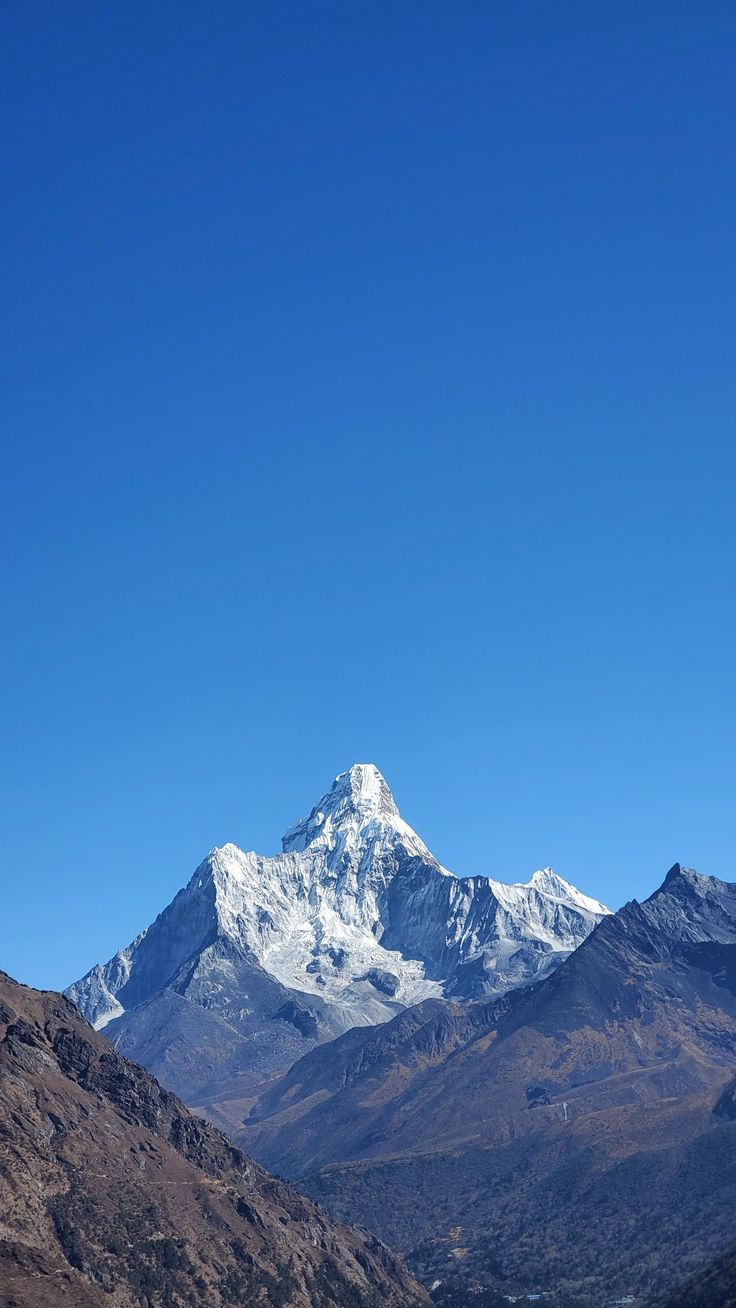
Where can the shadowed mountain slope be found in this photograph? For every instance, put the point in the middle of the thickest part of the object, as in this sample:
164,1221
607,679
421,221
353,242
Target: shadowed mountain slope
714,1287
113,1195
576,1135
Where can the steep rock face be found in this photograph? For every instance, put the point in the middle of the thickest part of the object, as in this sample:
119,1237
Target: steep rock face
113,1195
577,1135
353,921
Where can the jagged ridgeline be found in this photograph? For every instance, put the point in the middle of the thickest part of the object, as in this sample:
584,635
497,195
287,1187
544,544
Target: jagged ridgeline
259,959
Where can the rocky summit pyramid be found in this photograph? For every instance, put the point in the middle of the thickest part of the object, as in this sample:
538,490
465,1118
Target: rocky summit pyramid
259,959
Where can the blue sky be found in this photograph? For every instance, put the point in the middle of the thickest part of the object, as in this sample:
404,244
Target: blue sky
369,394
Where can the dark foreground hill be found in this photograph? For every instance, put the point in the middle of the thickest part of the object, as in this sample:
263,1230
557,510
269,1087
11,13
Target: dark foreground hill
577,1137
113,1195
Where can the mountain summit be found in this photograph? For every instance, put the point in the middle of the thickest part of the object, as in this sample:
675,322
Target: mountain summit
356,799
352,922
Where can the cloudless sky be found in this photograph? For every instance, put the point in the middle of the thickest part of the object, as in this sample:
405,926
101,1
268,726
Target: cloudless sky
369,395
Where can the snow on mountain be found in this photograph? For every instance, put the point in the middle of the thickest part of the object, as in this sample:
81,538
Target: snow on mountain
354,920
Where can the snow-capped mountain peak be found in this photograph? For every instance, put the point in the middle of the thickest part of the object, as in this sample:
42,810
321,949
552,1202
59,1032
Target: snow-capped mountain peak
360,792
358,810
352,921
548,882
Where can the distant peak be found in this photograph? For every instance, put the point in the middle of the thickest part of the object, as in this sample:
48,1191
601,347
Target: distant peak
549,882
359,795
366,786
545,878
679,875
677,870
688,886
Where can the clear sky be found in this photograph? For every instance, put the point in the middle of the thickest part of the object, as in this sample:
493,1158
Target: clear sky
369,394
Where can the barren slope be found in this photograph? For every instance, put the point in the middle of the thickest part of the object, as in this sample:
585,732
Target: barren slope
113,1195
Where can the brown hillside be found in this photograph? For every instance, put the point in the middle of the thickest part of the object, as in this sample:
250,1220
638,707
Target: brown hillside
113,1195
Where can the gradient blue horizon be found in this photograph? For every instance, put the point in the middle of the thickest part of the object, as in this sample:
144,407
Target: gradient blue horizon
369,396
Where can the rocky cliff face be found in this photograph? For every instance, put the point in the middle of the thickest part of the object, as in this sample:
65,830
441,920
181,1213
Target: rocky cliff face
259,958
113,1195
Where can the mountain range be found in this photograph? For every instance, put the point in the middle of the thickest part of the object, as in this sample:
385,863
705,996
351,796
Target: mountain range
517,1089
114,1195
257,959
576,1136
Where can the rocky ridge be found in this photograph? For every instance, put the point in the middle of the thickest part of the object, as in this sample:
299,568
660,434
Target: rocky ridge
114,1195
